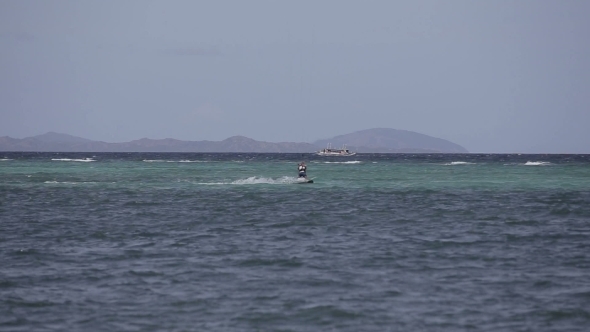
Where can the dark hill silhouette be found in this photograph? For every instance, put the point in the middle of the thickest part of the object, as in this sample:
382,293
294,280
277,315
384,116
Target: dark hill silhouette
371,140
391,140
53,137
53,142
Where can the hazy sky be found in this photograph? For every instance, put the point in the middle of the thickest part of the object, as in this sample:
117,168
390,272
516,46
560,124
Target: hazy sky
492,76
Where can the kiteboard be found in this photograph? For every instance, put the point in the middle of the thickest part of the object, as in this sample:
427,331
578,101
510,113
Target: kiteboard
304,180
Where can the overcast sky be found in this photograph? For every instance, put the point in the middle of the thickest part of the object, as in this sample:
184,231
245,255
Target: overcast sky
492,76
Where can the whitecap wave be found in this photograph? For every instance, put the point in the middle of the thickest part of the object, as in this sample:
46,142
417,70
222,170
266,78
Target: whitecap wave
452,163
343,162
5,159
255,180
173,161
85,160
68,182
536,163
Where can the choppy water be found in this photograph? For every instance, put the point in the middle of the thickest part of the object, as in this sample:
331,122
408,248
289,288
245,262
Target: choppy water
228,242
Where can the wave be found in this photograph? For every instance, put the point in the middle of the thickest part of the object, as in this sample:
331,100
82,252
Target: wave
343,162
459,163
256,180
85,160
67,182
536,163
173,161
5,159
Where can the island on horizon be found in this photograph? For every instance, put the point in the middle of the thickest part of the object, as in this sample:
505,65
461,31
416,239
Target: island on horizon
376,140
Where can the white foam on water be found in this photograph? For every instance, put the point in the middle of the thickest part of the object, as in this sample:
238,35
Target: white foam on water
173,161
343,162
459,163
85,160
5,159
536,163
255,180
67,182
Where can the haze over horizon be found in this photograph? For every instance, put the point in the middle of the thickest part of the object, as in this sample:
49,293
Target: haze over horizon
489,76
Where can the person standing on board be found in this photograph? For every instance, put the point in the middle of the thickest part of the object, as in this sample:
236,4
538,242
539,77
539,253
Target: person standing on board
302,170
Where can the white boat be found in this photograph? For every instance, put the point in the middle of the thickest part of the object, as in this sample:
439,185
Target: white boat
329,151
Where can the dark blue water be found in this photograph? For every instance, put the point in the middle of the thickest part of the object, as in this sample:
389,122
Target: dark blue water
230,242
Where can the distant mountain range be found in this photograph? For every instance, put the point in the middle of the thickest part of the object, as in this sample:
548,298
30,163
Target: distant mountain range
392,141
378,140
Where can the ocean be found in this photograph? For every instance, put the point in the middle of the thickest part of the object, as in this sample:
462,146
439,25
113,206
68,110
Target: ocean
230,242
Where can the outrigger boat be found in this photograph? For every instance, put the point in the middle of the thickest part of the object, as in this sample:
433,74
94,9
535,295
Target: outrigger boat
329,151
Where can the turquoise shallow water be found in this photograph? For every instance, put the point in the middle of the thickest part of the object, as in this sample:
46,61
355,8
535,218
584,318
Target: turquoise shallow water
228,242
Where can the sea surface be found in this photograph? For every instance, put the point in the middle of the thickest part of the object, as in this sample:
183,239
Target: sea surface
230,242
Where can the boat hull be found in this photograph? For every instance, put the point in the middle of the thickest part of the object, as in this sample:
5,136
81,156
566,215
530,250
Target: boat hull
335,154
331,152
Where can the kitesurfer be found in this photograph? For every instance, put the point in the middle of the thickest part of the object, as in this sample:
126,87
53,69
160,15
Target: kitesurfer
302,170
